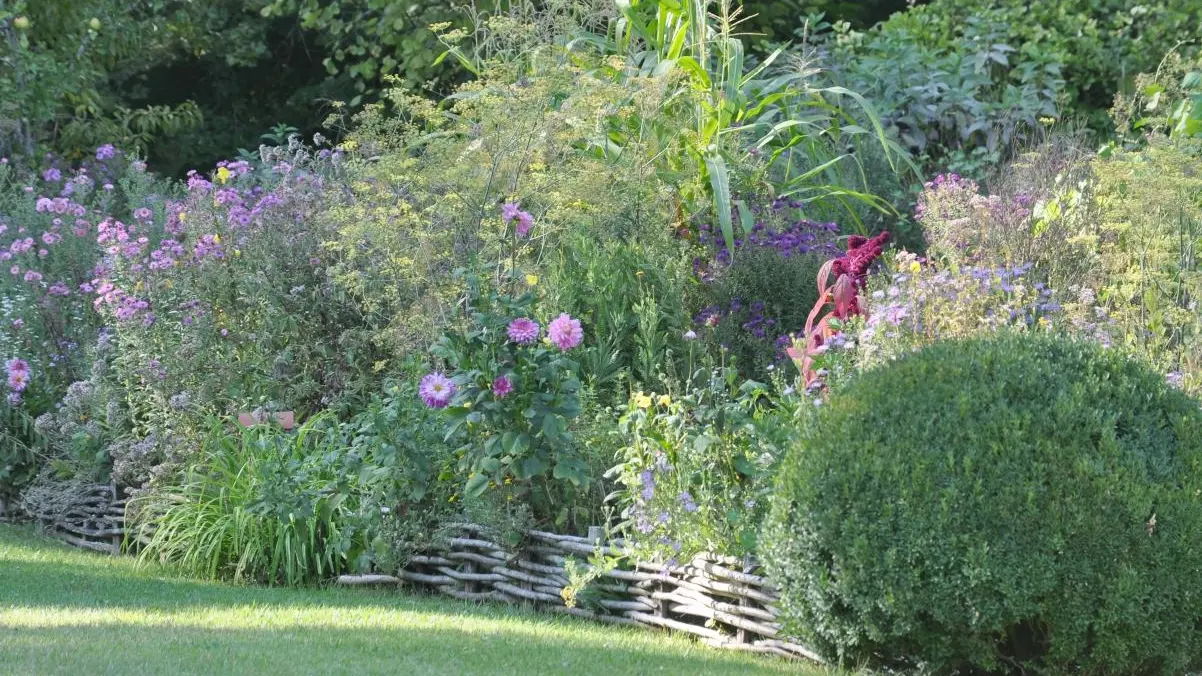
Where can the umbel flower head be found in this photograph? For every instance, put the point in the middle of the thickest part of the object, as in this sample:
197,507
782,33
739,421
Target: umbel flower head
436,390
565,332
523,331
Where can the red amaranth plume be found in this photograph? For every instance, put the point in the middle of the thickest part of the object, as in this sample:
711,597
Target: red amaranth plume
851,275
851,272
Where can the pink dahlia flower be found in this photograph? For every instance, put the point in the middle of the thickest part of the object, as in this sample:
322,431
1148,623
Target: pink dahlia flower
436,390
523,331
501,387
565,332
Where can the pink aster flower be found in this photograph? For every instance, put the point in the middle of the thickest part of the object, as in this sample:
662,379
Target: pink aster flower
501,387
436,390
523,331
17,380
17,365
565,332
510,211
525,222
18,375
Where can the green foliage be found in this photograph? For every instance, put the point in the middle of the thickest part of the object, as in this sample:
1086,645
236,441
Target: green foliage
959,97
1098,44
424,183
695,472
1150,218
744,126
1167,101
257,504
372,40
71,67
17,451
1007,503
631,295
521,437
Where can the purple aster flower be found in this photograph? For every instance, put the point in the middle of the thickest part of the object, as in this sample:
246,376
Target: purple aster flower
436,390
648,479
52,175
565,332
894,314
523,331
501,387
686,501
106,152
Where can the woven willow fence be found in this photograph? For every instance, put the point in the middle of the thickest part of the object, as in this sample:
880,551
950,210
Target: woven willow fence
722,601
91,517
718,599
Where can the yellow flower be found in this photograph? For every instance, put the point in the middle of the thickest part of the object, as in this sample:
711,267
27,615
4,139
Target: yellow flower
349,144
223,175
183,216
664,400
216,238
237,252
915,267
641,400
1044,322
639,274
531,280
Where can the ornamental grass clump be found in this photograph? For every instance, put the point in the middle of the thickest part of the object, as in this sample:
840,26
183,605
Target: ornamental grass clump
1012,504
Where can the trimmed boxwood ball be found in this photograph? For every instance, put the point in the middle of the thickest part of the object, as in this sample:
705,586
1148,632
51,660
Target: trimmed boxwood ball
1016,504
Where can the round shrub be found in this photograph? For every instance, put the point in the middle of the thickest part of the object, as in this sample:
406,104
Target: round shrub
1003,505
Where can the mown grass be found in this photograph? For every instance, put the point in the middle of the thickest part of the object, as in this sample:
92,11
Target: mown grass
64,611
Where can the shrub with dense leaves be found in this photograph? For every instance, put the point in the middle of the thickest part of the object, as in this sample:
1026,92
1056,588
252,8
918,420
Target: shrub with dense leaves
1012,503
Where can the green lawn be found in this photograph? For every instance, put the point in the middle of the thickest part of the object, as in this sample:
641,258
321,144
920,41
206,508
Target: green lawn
64,611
